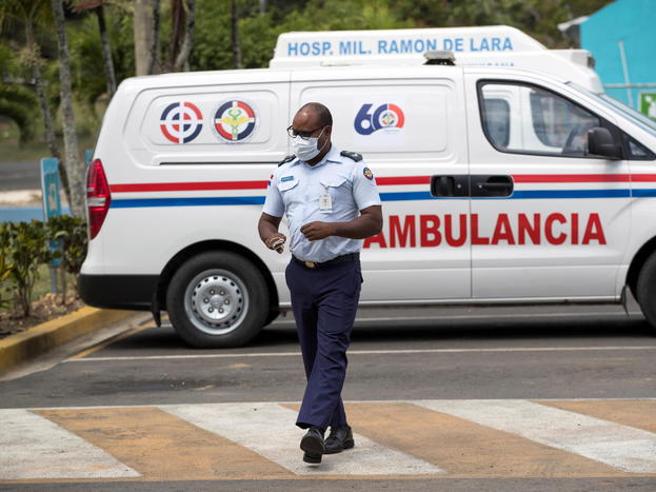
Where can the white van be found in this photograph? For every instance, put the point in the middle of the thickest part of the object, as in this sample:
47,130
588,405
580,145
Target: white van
506,177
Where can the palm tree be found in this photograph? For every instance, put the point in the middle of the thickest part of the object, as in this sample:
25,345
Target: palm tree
32,15
74,165
98,8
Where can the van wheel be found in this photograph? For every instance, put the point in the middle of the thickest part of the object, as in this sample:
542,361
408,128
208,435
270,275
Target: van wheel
646,290
217,299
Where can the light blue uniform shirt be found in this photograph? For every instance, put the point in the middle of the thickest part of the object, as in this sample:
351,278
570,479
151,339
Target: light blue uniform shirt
295,191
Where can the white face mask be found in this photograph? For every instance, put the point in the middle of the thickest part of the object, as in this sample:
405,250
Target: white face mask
306,149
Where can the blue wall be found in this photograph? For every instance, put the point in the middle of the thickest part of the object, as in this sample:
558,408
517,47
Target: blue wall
634,22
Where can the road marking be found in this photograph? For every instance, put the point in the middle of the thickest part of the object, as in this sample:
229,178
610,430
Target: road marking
371,352
394,439
464,448
268,429
640,414
162,446
623,447
34,447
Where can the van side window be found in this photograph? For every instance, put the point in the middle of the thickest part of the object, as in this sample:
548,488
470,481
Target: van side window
498,121
537,121
637,152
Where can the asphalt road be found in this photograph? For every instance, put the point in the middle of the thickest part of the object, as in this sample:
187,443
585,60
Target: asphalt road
20,175
523,400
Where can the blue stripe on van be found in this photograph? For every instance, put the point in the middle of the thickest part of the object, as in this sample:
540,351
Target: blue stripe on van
612,193
521,194
642,192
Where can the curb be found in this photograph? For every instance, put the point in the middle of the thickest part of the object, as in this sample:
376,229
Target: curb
21,347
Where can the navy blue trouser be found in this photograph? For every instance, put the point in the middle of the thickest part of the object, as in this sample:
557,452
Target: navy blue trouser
324,302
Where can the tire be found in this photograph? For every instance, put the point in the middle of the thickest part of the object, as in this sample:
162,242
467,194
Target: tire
217,299
646,290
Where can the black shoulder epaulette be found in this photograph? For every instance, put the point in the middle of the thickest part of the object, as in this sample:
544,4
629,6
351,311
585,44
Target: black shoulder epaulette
351,155
287,159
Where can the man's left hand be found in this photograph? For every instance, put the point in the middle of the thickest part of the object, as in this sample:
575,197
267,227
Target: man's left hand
314,231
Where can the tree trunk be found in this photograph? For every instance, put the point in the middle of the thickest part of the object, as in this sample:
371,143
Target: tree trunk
49,124
74,166
263,6
185,50
177,23
44,106
155,65
234,34
106,48
143,33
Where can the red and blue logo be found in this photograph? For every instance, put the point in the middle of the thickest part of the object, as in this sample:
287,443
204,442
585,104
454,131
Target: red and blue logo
234,120
181,122
385,117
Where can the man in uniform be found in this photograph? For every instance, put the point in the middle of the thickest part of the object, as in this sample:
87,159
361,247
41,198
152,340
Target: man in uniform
331,203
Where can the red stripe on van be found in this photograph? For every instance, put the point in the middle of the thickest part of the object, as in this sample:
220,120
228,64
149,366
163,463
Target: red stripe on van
402,180
190,186
643,178
571,178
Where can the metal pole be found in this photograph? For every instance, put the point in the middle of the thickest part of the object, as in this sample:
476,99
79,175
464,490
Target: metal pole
625,69
53,279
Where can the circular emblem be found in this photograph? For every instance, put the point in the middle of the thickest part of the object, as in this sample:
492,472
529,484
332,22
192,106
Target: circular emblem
388,116
367,173
181,122
234,120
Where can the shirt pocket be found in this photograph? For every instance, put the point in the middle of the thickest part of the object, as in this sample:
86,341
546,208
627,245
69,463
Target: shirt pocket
289,190
339,189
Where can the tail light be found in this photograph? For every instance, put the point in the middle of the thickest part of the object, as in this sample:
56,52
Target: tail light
98,197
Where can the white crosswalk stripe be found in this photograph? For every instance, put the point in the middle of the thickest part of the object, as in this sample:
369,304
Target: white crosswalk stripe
269,430
620,446
431,438
34,447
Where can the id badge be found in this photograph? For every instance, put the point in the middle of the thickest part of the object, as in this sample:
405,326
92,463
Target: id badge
325,202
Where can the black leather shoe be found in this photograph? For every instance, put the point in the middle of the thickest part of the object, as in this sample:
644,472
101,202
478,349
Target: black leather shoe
313,445
339,439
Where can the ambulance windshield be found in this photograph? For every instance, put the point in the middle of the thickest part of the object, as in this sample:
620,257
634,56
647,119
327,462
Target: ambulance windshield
638,118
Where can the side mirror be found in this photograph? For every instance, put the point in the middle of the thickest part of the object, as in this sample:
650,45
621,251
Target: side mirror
602,143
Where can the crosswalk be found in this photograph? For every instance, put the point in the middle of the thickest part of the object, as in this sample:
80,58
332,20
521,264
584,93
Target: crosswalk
258,440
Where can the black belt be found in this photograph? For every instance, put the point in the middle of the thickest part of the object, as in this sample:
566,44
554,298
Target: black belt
339,259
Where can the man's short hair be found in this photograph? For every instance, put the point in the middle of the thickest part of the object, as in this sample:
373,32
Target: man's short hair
325,118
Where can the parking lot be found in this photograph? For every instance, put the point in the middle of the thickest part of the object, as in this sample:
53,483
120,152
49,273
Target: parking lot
516,399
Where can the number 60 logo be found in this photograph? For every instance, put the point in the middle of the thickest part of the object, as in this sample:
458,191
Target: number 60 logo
385,117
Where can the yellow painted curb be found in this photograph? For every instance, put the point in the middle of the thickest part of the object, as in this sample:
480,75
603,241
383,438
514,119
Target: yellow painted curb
34,341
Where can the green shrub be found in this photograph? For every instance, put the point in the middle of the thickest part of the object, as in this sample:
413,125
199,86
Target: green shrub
71,232
28,248
5,268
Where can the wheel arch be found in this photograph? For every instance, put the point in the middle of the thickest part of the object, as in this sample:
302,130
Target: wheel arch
213,245
637,262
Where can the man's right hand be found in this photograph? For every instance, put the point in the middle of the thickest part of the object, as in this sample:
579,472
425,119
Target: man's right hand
276,242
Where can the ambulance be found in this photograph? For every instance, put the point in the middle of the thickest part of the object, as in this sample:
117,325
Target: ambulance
506,176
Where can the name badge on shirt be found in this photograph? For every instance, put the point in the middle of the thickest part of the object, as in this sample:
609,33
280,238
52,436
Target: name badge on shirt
325,202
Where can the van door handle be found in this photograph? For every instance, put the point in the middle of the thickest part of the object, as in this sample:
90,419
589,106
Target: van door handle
492,185
450,186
